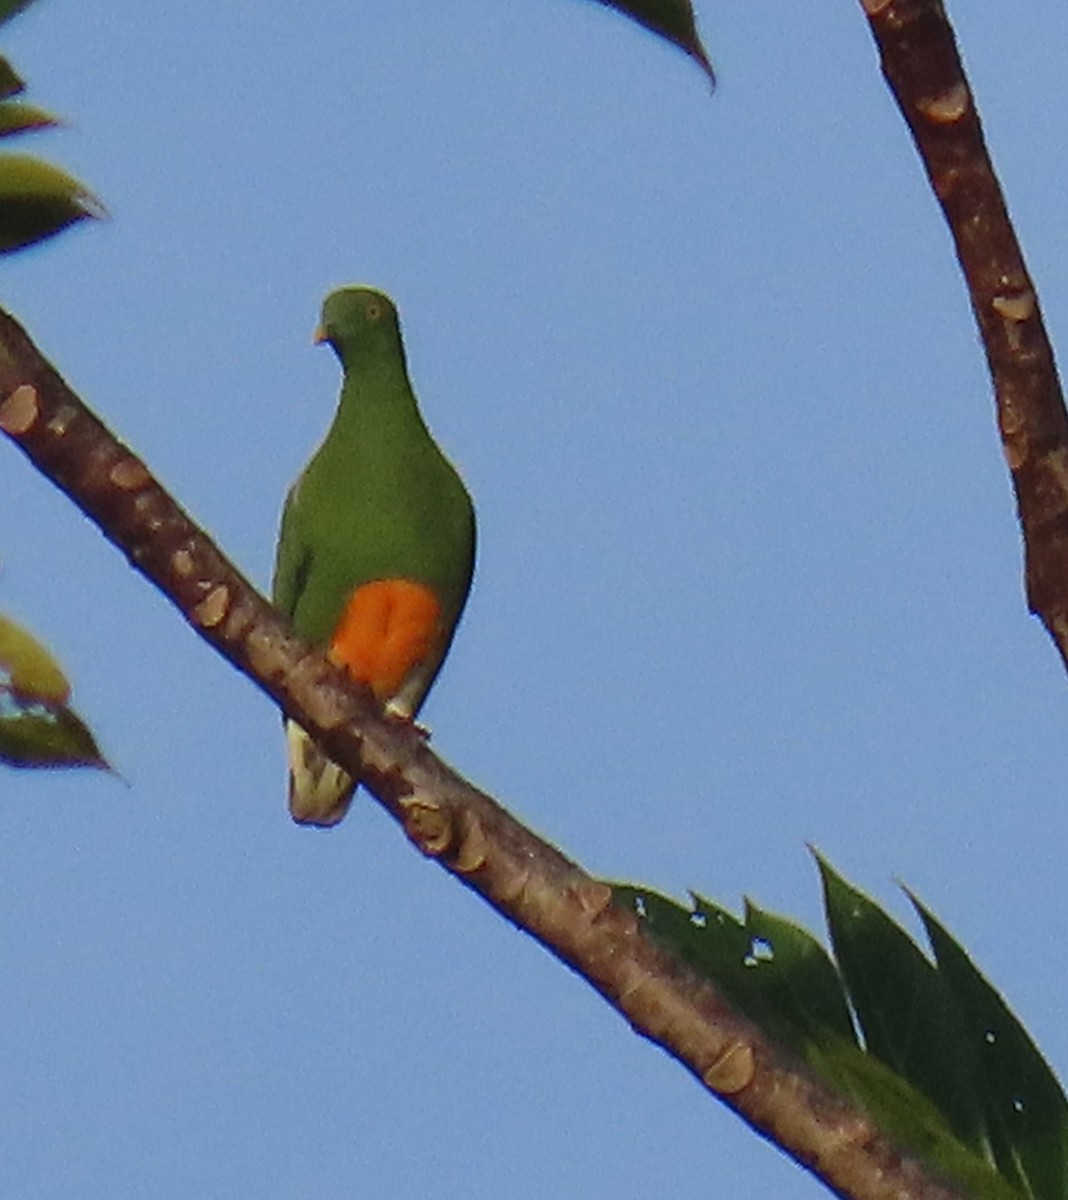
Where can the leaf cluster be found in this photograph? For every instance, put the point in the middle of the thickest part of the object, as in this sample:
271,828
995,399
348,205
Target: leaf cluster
37,199
925,1045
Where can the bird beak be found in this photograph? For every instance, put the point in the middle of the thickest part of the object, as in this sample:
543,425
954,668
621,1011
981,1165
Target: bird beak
320,335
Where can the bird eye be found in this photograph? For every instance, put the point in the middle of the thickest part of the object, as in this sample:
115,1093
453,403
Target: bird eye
374,310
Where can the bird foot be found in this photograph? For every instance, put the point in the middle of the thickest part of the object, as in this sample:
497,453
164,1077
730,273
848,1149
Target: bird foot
421,731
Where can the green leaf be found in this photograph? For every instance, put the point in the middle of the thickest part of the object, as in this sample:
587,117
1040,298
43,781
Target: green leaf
16,117
11,82
906,1116
902,1005
38,200
771,969
799,976
37,729
39,735
1025,1111
12,8
708,938
28,668
670,19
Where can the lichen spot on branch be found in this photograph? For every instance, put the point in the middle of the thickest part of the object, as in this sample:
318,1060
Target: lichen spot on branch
1013,434
129,474
62,418
732,1071
947,108
183,563
594,897
19,412
473,849
1019,306
428,825
211,610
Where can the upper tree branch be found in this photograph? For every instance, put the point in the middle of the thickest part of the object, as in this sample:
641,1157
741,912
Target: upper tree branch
524,878
923,69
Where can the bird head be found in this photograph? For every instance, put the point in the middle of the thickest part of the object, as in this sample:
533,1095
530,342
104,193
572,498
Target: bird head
357,321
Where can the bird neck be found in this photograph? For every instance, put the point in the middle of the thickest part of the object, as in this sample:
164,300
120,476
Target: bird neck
377,399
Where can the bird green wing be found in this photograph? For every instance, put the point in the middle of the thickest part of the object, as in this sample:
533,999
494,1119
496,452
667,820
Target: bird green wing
293,558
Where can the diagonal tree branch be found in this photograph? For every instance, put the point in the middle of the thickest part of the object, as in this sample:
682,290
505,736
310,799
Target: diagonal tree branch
528,881
922,67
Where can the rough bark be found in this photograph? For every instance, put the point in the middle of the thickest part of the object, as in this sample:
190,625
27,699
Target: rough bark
923,70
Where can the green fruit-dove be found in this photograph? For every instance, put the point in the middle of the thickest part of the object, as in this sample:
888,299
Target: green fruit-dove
377,543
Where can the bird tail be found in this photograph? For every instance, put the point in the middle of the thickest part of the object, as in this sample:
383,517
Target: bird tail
320,792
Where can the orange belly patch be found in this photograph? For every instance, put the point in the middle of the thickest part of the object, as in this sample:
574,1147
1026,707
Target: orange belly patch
388,626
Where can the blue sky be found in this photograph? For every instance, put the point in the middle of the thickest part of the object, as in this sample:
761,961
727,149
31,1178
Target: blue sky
749,572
